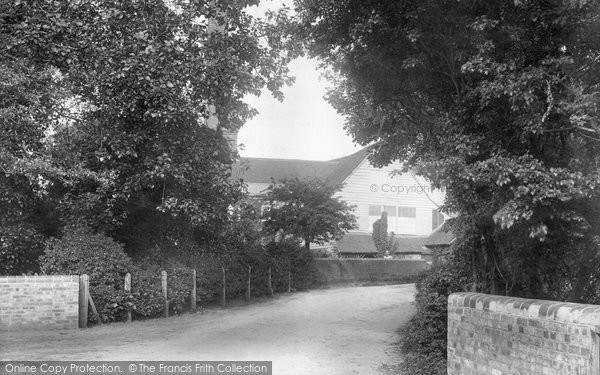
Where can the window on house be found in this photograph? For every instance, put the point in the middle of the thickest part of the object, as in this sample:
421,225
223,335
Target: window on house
391,219
406,222
407,212
374,215
391,210
401,220
437,219
374,210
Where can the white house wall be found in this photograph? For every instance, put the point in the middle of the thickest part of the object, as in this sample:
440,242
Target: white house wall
374,186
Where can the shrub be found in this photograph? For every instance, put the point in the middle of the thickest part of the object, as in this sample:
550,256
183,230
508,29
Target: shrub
80,251
112,303
146,290
288,255
146,297
209,278
423,341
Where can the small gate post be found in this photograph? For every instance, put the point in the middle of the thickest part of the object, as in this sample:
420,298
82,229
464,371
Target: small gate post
270,285
193,305
128,289
84,291
164,290
224,290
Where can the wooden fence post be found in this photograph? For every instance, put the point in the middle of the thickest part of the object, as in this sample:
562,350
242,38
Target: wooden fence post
224,290
248,294
164,290
128,289
84,291
270,285
193,305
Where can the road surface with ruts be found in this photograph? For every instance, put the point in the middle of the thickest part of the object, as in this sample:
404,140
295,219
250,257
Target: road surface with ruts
352,330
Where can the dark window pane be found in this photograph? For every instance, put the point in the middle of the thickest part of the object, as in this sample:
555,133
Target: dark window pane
391,210
407,212
374,210
437,219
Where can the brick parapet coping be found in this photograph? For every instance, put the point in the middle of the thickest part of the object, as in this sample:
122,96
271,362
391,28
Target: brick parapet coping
528,308
38,279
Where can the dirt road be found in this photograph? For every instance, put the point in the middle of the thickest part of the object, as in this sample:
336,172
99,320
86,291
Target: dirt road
331,331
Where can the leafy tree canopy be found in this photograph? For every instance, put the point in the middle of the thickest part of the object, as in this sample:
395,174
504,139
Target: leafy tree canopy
103,106
308,210
498,102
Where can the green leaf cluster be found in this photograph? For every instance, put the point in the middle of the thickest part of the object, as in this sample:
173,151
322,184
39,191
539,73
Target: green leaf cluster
308,209
495,101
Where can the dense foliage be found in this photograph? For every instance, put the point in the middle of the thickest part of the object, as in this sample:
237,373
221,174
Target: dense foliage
112,114
424,337
80,252
308,210
497,101
291,261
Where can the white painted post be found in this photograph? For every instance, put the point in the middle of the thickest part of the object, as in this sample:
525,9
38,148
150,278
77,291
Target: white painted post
128,289
164,290
224,291
193,305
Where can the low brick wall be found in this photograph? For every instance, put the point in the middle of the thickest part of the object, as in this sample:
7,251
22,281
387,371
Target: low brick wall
31,302
367,270
502,335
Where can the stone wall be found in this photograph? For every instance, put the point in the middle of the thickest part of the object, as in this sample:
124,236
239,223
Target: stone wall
39,302
503,335
367,270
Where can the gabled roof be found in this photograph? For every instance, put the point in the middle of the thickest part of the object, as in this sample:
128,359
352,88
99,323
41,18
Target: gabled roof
262,170
440,237
411,245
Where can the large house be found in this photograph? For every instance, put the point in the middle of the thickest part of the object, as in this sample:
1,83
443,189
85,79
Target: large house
410,202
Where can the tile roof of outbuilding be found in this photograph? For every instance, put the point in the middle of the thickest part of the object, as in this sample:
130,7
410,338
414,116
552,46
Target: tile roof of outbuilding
440,237
356,243
362,243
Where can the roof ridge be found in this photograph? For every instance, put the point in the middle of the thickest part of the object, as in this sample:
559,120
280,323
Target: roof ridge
335,160
349,156
283,159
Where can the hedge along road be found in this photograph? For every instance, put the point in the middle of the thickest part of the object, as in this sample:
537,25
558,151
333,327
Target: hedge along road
327,331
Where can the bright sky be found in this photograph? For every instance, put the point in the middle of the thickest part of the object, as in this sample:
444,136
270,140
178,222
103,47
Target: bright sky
303,126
